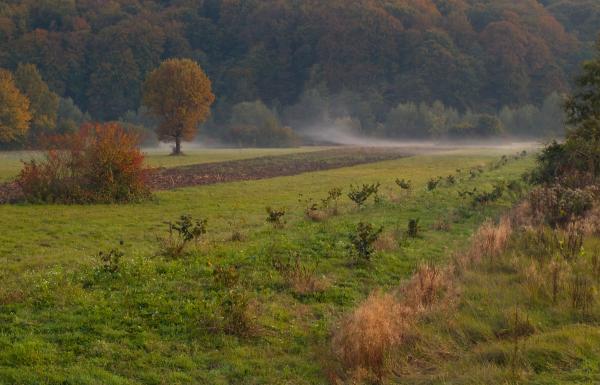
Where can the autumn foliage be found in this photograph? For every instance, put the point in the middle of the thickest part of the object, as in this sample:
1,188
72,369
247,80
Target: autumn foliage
99,164
179,94
14,110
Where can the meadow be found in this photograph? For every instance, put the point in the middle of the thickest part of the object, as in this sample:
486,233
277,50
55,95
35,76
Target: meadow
65,318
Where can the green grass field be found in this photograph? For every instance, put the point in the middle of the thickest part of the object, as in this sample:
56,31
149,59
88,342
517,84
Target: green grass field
64,320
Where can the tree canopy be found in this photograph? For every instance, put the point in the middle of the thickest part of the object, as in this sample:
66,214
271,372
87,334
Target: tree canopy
14,110
43,103
179,94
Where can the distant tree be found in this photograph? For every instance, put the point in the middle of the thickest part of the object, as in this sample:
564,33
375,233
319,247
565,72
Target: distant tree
69,117
583,114
179,94
14,110
488,126
254,124
408,120
43,102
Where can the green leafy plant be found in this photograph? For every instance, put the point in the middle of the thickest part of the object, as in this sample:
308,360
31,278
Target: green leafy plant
363,239
359,195
433,183
110,261
332,200
275,217
235,310
182,233
405,185
413,228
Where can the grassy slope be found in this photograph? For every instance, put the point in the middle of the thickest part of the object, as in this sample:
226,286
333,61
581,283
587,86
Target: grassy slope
149,323
475,344
11,162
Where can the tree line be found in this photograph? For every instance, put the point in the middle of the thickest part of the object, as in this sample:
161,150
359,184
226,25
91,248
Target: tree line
367,57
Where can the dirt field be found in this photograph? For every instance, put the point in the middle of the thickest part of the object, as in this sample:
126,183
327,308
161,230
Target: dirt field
269,166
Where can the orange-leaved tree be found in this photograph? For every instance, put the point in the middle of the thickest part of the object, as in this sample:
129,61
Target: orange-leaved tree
14,110
179,94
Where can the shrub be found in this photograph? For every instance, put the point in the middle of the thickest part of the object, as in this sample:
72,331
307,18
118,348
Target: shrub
360,195
275,217
451,180
558,205
237,318
485,198
433,183
99,164
181,233
413,228
405,185
363,239
110,261
332,200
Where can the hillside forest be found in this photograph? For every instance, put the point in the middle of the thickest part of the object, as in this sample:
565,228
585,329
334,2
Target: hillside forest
388,68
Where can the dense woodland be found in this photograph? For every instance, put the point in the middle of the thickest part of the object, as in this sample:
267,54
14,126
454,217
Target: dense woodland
457,67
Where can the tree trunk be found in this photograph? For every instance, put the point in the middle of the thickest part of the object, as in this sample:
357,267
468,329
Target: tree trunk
177,148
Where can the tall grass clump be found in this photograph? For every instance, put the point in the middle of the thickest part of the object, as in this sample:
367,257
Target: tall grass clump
366,337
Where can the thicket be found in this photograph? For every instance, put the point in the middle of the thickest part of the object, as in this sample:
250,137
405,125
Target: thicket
100,163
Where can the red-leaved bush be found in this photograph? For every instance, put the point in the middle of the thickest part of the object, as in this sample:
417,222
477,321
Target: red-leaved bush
101,163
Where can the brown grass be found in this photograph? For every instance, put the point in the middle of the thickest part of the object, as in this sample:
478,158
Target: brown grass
427,287
367,336
317,215
489,241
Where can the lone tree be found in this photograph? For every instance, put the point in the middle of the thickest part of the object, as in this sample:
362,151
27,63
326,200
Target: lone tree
14,110
179,94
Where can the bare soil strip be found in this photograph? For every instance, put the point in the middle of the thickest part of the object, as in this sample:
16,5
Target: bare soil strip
269,166
250,169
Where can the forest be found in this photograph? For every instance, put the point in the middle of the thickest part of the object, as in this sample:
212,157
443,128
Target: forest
457,68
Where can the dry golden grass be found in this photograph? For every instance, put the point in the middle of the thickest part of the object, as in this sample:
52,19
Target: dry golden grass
429,286
366,337
317,215
489,241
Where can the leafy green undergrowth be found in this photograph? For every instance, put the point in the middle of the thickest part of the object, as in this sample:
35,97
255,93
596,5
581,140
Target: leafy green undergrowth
145,319
518,319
